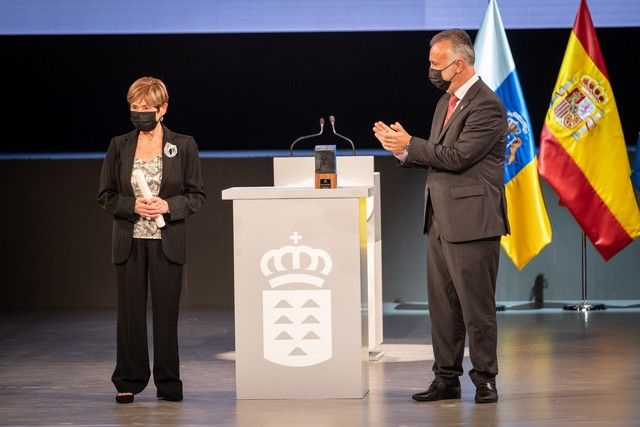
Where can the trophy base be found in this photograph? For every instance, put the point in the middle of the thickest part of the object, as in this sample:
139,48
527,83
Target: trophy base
326,180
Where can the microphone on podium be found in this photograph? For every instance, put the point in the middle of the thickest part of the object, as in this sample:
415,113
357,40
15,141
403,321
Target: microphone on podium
332,119
307,136
325,159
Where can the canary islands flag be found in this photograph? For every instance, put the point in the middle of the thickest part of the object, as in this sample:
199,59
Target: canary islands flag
530,228
583,155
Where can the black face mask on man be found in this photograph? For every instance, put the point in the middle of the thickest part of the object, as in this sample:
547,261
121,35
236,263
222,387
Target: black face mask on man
144,121
436,77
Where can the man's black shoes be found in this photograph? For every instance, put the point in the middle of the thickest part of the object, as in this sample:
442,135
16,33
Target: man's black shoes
486,393
438,390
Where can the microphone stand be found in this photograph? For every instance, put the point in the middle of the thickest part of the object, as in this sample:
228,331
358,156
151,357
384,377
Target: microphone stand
307,136
332,119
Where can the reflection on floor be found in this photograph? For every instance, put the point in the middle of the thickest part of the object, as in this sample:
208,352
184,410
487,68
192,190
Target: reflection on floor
557,367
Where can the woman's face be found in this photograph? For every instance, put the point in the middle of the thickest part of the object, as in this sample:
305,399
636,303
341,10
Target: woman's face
142,106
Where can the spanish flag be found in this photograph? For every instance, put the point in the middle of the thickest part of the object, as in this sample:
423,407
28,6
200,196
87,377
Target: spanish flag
583,155
530,228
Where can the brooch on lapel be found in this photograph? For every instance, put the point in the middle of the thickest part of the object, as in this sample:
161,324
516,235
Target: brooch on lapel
170,150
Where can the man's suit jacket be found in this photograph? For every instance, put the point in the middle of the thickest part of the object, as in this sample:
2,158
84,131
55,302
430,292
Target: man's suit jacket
181,187
465,162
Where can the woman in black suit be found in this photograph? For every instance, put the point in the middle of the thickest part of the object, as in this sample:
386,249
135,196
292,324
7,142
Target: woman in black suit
145,251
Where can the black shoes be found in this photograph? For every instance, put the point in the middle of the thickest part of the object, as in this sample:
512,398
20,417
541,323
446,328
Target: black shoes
169,397
128,397
486,393
124,397
438,390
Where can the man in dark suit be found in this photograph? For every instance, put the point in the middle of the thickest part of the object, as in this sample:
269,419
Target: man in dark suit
465,215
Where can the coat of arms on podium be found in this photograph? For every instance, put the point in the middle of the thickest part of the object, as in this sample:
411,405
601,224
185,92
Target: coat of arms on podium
296,311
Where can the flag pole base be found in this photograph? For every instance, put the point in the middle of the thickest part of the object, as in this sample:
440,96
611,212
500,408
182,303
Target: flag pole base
584,306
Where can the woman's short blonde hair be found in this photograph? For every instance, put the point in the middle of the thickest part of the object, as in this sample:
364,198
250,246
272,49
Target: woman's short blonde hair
150,90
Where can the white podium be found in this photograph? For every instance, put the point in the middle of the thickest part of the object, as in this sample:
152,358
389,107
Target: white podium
300,266
352,171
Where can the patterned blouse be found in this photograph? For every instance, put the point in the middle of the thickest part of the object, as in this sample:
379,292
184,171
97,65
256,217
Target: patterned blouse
145,228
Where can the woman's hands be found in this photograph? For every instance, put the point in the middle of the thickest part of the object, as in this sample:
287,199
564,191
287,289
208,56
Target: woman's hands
152,208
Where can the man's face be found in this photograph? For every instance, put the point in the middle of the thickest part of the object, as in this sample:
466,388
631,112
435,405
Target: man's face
441,58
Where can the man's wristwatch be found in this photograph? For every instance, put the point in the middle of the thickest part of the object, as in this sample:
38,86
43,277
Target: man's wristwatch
406,147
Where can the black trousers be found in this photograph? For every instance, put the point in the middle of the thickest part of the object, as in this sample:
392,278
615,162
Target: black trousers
461,284
148,266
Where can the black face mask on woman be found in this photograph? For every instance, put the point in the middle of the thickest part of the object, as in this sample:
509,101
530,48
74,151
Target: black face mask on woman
144,121
436,78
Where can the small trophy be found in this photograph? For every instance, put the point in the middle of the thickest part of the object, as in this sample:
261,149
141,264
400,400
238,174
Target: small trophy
325,159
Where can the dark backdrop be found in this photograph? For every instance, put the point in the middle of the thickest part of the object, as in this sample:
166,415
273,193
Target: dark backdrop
260,91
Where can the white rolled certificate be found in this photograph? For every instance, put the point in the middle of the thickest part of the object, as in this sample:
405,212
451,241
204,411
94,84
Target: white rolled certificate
138,175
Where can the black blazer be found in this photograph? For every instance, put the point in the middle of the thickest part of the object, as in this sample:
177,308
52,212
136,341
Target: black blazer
181,187
465,162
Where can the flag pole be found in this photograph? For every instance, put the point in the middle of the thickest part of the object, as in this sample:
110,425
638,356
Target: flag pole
584,305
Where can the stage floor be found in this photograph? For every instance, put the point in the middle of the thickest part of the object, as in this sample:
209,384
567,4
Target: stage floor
557,368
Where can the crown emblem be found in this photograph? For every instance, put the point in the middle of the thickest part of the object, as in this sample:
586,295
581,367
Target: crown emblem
296,264
594,90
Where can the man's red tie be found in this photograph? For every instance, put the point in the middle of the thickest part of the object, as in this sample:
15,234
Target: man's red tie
452,106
